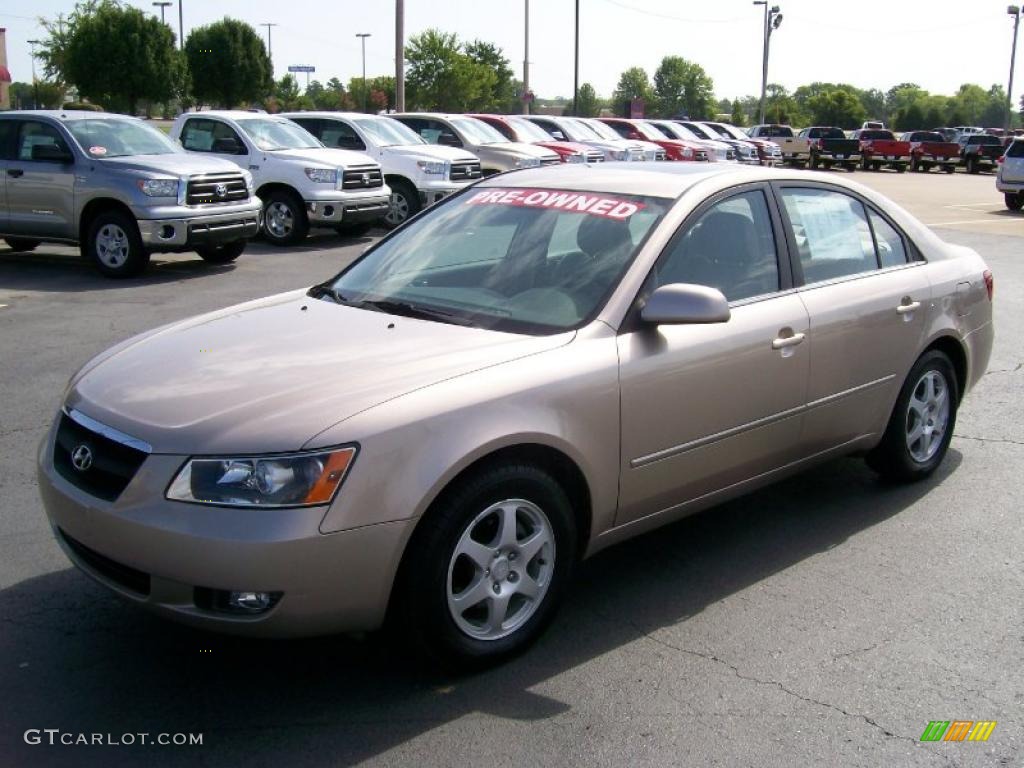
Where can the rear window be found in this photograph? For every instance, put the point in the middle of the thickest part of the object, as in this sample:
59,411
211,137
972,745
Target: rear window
783,131
827,133
926,136
985,140
872,135
1016,149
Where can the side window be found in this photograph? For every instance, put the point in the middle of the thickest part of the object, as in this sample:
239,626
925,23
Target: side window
341,135
8,129
892,252
620,128
441,134
211,136
1016,149
503,128
731,247
831,232
34,134
314,126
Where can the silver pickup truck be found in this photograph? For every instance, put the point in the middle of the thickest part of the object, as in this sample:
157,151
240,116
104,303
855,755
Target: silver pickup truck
118,188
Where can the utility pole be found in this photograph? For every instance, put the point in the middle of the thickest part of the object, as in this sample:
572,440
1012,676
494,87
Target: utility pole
772,20
270,49
526,63
576,75
35,83
400,55
362,36
181,25
1014,11
162,6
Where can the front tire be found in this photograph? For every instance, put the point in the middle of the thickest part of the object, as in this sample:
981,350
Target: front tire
21,244
922,422
483,576
114,246
284,218
222,254
405,203
1014,200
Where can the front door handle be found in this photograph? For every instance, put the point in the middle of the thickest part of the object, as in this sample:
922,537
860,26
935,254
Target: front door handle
905,308
787,341
15,172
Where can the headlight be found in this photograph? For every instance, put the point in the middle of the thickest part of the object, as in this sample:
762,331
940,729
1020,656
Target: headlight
294,480
619,154
576,157
323,175
528,162
159,187
433,167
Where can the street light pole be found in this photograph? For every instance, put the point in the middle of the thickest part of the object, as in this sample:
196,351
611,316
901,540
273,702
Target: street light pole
35,83
772,20
181,25
576,67
362,36
399,56
162,6
1014,11
526,62
270,48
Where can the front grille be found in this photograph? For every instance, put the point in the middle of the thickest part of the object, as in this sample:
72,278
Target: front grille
730,154
111,465
465,171
595,157
216,188
551,161
660,155
119,573
363,177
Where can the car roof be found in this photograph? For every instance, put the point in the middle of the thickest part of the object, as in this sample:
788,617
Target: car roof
230,114
328,115
66,114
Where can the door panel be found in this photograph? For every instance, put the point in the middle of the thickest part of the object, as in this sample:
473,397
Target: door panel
40,195
706,406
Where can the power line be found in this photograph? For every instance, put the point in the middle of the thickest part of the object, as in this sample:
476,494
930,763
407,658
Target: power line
657,15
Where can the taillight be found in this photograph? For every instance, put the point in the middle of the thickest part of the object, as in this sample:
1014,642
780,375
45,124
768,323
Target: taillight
989,283
1000,159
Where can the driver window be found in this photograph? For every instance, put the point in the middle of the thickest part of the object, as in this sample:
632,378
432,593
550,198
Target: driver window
731,247
340,135
38,134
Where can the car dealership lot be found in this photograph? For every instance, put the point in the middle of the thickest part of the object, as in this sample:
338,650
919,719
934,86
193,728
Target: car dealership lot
825,620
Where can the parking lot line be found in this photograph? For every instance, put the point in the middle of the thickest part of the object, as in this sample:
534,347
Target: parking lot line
989,220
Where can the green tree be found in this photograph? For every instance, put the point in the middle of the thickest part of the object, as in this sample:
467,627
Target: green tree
380,93
912,117
633,84
53,52
838,106
229,64
682,87
287,97
970,101
900,97
49,95
143,65
441,76
737,118
781,107
502,95
589,105
994,113
874,104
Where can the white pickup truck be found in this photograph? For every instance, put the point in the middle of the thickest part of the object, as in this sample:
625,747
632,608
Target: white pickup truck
301,182
418,173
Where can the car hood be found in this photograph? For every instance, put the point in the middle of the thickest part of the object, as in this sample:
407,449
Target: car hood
271,374
173,164
519,149
323,156
429,152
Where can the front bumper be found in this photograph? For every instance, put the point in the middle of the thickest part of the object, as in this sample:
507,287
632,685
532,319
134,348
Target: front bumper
1009,186
833,157
165,556
333,211
182,233
431,192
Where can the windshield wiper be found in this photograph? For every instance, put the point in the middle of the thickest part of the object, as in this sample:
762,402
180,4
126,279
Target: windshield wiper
404,308
326,290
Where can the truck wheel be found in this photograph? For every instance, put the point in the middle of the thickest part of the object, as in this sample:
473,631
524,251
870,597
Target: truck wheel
405,202
851,167
20,244
972,165
900,167
1014,200
221,254
284,218
813,164
876,166
950,168
114,245
915,165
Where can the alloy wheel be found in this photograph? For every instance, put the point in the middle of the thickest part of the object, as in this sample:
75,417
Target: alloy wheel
398,211
112,246
927,416
280,219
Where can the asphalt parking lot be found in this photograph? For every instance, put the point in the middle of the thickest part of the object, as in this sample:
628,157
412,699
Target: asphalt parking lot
823,621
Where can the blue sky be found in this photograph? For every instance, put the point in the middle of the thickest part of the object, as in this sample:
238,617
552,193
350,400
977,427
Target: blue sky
870,43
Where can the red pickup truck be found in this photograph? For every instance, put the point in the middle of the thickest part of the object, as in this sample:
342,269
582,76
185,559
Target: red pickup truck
929,150
880,147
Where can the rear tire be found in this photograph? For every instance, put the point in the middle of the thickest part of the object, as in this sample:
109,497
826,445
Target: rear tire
460,577
813,163
900,167
1014,200
20,244
950,168
284,218
114,246
910,449
222,254
850,167
972,165
916,166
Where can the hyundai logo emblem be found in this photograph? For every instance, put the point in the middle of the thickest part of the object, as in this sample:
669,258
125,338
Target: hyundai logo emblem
81,458
221,190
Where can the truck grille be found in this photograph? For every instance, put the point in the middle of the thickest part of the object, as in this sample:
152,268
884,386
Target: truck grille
216,188
595,157
660,155
551,160
363,177
109,466
465,171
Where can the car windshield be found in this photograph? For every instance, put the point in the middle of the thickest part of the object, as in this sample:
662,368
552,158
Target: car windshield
650,131
774,131
602,130
390,133
581,131
731,131
477,131
528,131
519,260
272,135
111,137
700,130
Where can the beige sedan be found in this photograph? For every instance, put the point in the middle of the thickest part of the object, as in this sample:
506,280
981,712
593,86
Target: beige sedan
550,362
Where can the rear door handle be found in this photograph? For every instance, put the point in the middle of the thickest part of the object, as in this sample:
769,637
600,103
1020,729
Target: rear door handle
787,341
15,172
905,308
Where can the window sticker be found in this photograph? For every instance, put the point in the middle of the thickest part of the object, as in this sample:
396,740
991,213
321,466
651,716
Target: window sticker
592,203
97,151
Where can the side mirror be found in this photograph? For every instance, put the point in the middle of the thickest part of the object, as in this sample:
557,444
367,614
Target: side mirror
558,135
51,153
685,304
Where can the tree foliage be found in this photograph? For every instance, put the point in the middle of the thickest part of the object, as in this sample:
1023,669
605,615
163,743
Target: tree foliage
737,117
143,64
442,76
49,95
682,87
836,106
588,105
229,64
633,84
503,95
